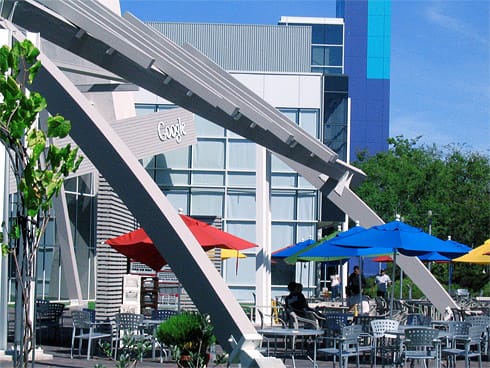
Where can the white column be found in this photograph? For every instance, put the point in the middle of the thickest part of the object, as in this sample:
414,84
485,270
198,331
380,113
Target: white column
263,229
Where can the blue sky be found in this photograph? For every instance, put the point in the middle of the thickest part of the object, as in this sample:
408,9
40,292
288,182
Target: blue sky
440,58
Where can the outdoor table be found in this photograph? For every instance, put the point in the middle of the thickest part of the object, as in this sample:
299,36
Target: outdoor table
290,332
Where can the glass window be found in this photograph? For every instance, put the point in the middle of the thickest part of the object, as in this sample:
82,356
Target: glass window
176,159
333,56
208,154
179,199
237,271
245,230
327,34
282,235
278,165
85,183
317,55
241,204
167,178
142,109
335,132
282,205
241,155
208,178
241,179
308,120
290,114
303,183
205,128
334,34
283,180
307,205
340,147
335,108
306,231
206,202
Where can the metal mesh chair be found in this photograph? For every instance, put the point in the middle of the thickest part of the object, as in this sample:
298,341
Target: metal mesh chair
379,328
344,346
85,329
471,347
483,321
421,343
128,324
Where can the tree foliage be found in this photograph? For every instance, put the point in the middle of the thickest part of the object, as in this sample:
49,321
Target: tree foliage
39,169
454,184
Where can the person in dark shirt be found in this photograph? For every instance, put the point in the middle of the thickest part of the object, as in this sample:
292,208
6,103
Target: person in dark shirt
355,283
296,301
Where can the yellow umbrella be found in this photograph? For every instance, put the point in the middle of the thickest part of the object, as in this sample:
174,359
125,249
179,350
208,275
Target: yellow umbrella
477,255
231,253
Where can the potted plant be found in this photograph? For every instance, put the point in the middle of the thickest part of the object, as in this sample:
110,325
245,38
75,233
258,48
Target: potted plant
190,337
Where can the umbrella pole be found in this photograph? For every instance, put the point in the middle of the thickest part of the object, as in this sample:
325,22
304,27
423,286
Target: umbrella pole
393,282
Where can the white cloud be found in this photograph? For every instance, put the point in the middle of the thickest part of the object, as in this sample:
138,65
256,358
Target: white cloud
437,13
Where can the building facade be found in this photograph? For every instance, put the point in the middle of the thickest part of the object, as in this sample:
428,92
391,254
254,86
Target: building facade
308,68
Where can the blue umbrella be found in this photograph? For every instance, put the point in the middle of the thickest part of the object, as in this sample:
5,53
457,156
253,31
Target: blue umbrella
292,249
403,238
406,239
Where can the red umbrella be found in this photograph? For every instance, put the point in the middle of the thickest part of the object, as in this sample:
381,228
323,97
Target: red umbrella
138,246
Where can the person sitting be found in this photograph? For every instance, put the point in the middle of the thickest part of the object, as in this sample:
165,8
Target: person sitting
296,301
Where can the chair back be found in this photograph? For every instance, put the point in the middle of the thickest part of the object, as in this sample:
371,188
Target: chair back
91,312
81,319
478,320
301,322
458,328
380,326
416,337
351,334
162,314
475,334
129,322
334,322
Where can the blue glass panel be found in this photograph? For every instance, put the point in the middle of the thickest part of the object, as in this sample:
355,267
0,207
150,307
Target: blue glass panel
317,55
334,34
333,55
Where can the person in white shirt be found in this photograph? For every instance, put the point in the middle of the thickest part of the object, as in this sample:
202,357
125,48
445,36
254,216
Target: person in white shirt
382,282
335,285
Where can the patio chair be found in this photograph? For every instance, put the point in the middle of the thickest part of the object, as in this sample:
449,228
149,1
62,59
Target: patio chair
471,347
344,346
49,316
160,315
129,324
483,321
421,343
379,328
85,329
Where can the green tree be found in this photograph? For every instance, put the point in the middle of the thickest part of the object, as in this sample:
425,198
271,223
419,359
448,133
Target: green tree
39,169
411,179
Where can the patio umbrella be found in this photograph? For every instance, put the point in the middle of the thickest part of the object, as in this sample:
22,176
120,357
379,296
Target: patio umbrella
406,239
137,244
477,255
403,238
292,249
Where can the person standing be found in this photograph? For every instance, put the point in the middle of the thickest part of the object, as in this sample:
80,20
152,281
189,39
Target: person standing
335,285
382,283
355,283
